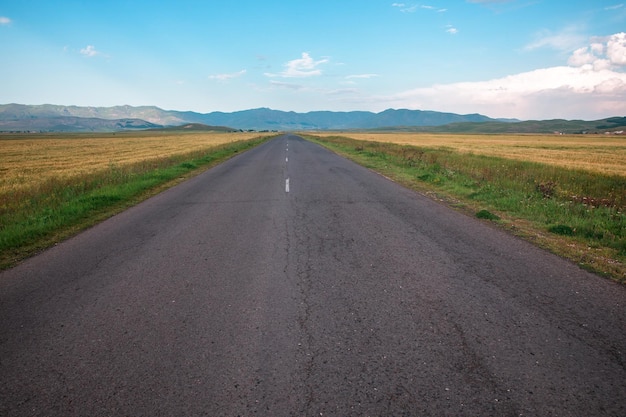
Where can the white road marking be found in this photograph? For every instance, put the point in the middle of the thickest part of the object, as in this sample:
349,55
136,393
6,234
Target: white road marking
287,180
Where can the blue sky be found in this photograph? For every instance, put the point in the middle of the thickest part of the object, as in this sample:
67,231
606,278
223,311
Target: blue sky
526,59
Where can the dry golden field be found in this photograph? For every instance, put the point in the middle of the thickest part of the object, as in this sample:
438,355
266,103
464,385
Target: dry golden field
598,153
29,160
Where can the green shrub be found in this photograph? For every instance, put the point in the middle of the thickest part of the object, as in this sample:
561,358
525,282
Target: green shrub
486,214
561,229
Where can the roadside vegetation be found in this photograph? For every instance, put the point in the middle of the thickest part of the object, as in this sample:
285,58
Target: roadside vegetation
52,186
567,197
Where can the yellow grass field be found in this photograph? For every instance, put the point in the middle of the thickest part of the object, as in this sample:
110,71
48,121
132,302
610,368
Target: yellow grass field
598,153
29,160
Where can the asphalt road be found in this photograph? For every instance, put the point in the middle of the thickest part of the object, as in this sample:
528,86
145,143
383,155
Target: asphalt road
291,282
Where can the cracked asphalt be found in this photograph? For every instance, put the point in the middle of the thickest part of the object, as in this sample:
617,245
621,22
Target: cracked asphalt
291,282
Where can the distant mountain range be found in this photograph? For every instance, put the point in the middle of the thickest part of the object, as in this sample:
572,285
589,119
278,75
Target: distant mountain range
56,118
48,117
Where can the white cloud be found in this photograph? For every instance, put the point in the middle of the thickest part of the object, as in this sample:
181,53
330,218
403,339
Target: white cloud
226,77
5,20
301,68
616,49
589,56
559,92
603,53
89,51
452,30
592,86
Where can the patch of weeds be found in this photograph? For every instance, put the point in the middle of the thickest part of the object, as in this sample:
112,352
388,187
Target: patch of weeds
561,229
547,189
487,215
432,178
102,199
594,202
188,165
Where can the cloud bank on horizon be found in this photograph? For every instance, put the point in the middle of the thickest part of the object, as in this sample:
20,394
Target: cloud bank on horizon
592,83
501,58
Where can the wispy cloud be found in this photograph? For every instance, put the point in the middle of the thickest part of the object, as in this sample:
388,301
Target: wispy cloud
287,86
566,40
302,67
451,30
405,8
614,7
361,76
229,76
489,1
342,92
90,51
4,21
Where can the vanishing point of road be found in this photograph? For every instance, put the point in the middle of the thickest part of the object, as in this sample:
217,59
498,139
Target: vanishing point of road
288,281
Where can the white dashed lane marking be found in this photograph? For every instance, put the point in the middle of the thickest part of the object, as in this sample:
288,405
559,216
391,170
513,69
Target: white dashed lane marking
287,180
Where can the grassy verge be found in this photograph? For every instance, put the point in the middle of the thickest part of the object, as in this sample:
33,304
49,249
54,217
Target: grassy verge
574,213
60,207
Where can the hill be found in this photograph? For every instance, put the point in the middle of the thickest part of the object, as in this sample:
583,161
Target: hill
196,127
609,125
74,124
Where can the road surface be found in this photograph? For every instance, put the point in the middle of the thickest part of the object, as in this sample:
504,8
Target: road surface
291,282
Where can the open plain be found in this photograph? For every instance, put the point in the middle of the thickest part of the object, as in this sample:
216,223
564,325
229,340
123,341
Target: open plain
29,160
599,153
